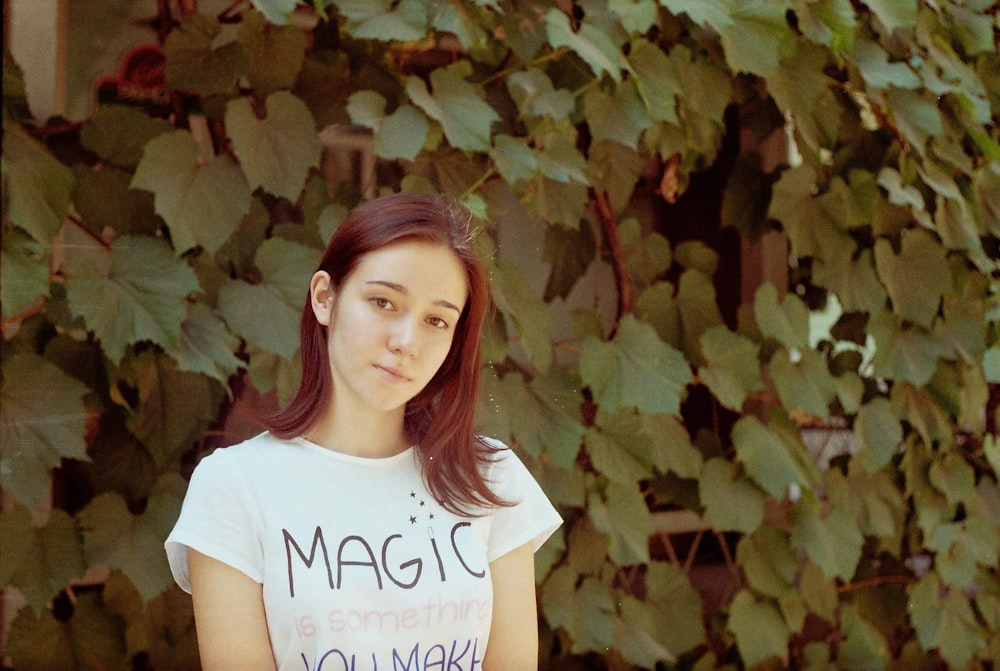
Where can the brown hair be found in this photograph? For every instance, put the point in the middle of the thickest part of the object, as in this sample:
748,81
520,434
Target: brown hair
440,418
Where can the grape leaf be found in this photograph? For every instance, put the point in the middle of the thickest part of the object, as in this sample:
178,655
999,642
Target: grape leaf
773,459
40,562
586,612
202,205
131,543
895,13
879,432
276,11
733,369
622,514
732,502
618,447
619,117
381,20
528,313
24,275
267,314
670,445
39,185
276,53
786,319
141,298
832,540
196,64
761,632
806,383
706,13
276,152
769,561
92,638
671,597
569,253
916,278
174,407
757,38
636,369
117,133
590,43
43,420
878,72
657,80
535,96
864,645
206,346
457,105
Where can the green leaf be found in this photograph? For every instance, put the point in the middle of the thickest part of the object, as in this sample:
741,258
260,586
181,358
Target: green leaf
202,205
636,369
267,313
174,407
832,540
908,354
732,502
276,152
637,16
879,432
830,23
916,117
117,133
954,477
276,53
619,117
785,319
747,197
528,313
916,278
195,64
93,637
649,257
706,13
760,630
864,646
618,447
103,200
39,561
586,612
43,420
757,37
895,13
24,272
457,104
672,598
775,459
402,134
569,253
657,80
560,160
803,381
699,311
131,543
37,185
141,298
590,43
634,635
206,346
616,170
670,445
535,96
276,11
622,514
733,369
769,561
379,20
878,72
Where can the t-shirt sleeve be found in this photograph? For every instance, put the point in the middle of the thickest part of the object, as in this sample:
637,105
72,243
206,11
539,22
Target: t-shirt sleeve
218,519
532,517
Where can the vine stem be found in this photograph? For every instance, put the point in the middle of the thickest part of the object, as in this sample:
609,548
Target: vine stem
479,182
551,56
609,225
877,580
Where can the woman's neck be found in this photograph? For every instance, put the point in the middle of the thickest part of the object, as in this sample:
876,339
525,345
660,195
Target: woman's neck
360,434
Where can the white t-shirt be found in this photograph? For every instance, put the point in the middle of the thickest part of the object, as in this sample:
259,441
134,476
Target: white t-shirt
362,570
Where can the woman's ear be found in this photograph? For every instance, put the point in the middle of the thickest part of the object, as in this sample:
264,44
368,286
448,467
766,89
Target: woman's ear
321,297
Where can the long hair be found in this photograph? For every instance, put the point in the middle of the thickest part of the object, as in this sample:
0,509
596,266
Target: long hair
440,418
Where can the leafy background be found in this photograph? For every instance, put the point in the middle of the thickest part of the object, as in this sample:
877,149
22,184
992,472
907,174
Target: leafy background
832,435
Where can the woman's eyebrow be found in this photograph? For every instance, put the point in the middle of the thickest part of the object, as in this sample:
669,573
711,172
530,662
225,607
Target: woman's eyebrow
403,290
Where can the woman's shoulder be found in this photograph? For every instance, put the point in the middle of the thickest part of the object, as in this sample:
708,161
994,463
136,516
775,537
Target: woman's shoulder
259,451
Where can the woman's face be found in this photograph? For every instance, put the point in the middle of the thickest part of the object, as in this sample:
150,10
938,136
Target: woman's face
391,323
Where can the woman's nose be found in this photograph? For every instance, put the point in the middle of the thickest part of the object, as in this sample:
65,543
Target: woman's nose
403,339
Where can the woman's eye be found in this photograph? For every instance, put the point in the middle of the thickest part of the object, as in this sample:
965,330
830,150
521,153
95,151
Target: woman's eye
381,303
437,322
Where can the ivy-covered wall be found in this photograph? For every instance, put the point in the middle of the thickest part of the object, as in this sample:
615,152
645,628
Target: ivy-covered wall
153,269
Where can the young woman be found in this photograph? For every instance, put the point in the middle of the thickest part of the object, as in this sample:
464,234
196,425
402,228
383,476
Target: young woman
370,528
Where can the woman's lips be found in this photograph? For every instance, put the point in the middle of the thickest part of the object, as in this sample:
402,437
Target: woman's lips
391,374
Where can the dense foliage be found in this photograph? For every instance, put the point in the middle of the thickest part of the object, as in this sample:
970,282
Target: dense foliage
152,268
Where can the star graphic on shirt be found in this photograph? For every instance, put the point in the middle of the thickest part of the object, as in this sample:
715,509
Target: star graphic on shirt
413,520
421,504
431,515
413,495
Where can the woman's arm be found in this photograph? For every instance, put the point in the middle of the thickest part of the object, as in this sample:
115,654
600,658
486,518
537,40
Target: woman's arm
513,644
229,617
